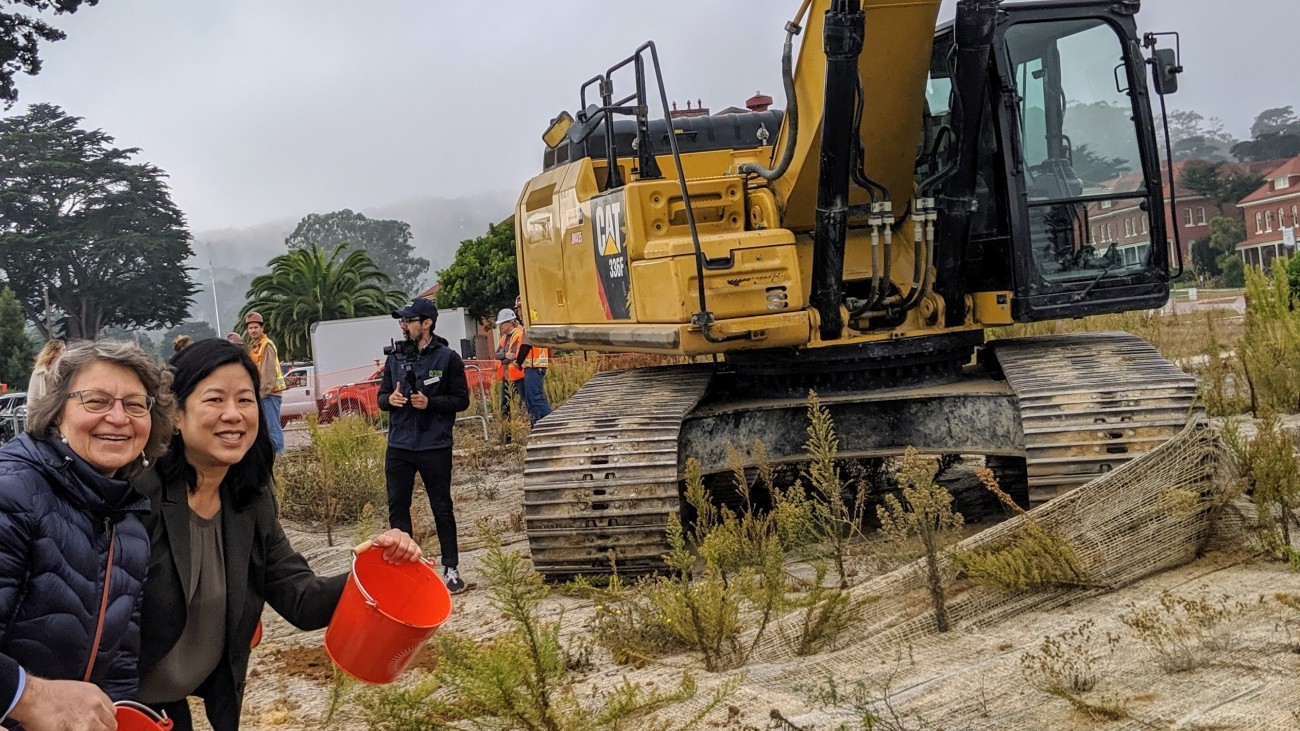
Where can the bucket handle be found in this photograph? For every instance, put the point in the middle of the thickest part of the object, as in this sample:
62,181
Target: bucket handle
159,717
370,601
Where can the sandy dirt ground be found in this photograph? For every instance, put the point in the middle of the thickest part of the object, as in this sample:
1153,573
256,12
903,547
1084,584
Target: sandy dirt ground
970,678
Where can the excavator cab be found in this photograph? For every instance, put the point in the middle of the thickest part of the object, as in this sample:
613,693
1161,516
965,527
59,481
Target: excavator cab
1068,208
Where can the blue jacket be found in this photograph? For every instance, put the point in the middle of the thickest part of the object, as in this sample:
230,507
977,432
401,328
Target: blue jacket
439,373
61,525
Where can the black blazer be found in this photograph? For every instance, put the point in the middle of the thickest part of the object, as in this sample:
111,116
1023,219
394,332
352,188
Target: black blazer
261,567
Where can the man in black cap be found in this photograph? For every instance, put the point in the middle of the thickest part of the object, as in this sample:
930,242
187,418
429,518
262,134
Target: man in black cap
423,388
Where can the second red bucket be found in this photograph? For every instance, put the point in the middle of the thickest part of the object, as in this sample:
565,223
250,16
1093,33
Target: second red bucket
133,716
386,613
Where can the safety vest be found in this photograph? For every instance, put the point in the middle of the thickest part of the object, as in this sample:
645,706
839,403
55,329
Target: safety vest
538,358
258,352
508,369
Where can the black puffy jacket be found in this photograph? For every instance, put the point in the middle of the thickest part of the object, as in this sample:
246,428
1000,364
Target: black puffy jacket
61,524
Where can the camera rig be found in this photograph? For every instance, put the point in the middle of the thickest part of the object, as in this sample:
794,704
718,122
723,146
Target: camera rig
407,352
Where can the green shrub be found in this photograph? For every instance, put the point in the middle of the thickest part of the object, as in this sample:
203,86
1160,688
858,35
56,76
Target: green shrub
925,512
1222,383
338,477
1271,344
519,679
1272,475
1029,558
837,506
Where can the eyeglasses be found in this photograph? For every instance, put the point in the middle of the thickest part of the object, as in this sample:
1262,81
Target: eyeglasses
409,320
95,401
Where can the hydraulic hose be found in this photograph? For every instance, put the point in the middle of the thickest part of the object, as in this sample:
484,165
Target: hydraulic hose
792,29
791,114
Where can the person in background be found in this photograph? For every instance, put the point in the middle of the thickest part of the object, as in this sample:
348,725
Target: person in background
181,342
267,357
69,522
219,551
235,338
510,375
534,360
45,361
423,394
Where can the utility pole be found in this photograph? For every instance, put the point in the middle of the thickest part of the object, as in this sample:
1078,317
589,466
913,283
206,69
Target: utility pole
216,309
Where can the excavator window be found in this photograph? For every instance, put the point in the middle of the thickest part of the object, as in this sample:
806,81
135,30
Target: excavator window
1078,149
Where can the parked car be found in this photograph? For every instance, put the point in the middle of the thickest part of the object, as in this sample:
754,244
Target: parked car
360,397
13,415
298,398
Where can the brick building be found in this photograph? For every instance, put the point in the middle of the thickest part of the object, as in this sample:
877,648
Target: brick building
1272,215
1122,223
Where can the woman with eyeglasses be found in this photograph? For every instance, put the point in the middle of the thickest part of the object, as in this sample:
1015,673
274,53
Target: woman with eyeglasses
73,546
219,551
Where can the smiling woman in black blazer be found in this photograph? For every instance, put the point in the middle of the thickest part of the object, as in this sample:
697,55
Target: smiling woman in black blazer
219,552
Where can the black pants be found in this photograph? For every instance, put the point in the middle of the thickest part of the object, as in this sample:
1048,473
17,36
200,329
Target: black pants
434,466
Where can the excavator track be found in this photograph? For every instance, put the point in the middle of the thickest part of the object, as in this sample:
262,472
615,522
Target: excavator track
601,475
601,471
1089,402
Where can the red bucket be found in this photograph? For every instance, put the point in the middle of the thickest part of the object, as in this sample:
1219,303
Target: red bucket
386,613
132,716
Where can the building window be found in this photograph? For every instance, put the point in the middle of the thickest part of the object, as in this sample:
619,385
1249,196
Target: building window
1281,219
1106,204
1092,235
1143,219
1200,215
1295,220
1128,227
1282,182
1268,220
1110,236
1187,216
1259,223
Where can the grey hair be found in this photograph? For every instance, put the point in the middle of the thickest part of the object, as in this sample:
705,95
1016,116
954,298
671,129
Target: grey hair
43,414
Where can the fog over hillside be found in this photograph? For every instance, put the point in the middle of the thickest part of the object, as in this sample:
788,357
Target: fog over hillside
233,256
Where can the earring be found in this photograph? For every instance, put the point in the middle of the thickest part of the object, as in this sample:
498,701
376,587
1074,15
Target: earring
63,437
144,460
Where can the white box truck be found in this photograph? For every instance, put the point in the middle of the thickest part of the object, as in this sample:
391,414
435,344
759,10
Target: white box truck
351,351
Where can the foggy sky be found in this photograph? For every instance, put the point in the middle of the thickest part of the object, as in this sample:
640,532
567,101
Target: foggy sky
272,109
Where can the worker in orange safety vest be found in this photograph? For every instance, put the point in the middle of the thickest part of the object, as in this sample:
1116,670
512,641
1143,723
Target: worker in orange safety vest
509,370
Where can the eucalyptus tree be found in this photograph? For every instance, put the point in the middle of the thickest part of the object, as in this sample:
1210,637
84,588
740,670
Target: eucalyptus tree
308,285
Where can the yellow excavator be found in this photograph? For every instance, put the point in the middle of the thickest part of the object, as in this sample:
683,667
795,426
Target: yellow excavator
920,186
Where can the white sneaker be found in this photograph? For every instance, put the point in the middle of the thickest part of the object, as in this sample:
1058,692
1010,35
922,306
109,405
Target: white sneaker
451,577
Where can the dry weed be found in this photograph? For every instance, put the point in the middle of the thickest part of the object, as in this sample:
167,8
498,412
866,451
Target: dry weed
1184,632
1071,662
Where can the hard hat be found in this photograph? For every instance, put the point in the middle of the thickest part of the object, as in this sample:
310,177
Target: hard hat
506,315
254,317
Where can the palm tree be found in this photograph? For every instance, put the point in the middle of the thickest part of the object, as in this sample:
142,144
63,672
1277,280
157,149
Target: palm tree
308,285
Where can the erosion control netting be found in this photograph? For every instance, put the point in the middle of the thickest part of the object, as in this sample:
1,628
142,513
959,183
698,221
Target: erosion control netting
1153,514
